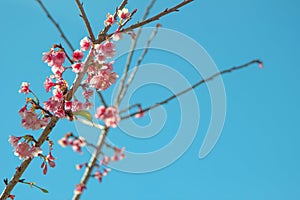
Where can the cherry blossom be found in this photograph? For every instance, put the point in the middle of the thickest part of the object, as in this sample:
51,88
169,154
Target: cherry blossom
24,151
123,14
48,84
77,55
24,88
85,44
109,115
109,20
30,120
13,140
77,68
108,49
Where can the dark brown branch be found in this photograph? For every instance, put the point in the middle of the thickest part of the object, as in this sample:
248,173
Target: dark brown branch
130,55
56,25
101,98
194,86
86,21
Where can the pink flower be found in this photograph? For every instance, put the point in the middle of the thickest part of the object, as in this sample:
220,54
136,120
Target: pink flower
123,14
59,58
77,68
88,105
109,115
59,113
30,120
85,44
68,105
77,144
48,58
11,196
14,140
101,58
80,166
24,88
109,20
119,154
105,160
98,175
57,95
103,80
23,150
63,142
58,70
108,49
105,171
77,105
77,55
117,36
48,84
87,94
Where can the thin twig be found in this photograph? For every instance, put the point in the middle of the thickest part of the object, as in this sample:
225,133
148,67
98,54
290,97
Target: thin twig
193,87
102,33
130,55
92,163
86,21
154,18
101,98
130,107
56,25
141,58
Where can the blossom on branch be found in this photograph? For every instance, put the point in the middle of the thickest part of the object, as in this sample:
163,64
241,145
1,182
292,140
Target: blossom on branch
24,88
109,115
85,44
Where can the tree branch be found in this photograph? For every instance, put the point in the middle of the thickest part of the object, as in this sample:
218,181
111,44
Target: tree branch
86,21
130,55
156,17
193,87
56,25
89,169
16,177
141,58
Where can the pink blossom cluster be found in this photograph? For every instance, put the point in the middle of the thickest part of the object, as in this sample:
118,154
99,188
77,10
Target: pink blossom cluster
30,119
99,175
23,149
75,142
118,155
109,115
50,160
123,14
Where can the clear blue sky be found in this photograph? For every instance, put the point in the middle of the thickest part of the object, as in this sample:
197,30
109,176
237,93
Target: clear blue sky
257,156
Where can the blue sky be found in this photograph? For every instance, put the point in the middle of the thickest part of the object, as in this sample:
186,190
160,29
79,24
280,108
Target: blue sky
257,156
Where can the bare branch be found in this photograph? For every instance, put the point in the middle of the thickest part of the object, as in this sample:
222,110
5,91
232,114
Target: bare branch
141,58
56,25
101,98
86,21
155,18
92,163
130,55
194,86
88,123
